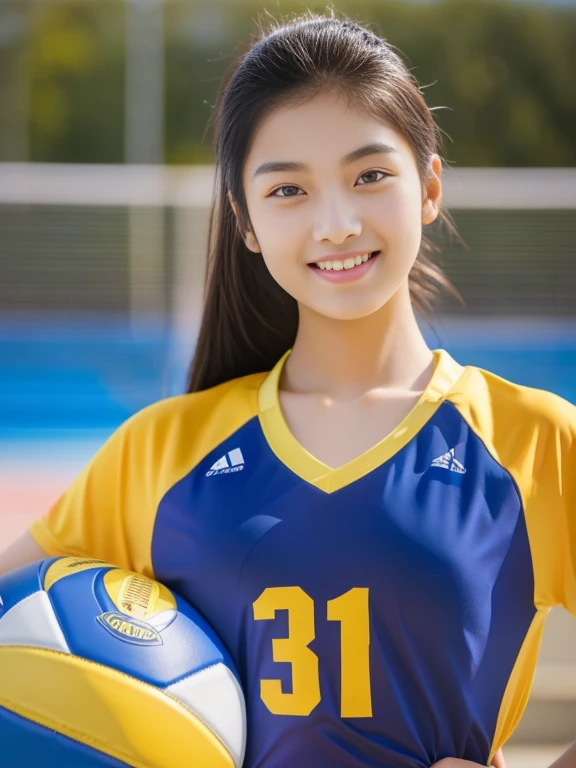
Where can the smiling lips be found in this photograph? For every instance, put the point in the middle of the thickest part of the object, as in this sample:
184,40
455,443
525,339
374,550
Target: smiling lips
347,269
349,263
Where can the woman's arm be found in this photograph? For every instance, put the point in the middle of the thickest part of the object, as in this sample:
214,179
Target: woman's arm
21,552
567,760
498,760
454,762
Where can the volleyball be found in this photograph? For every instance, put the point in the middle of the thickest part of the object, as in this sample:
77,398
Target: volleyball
104,667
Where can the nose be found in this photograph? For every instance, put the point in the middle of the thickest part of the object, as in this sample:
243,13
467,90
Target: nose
336,220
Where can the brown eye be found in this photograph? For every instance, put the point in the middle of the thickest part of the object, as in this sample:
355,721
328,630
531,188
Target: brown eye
291,189
371,175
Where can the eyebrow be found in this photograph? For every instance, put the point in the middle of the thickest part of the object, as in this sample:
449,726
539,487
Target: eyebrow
375,148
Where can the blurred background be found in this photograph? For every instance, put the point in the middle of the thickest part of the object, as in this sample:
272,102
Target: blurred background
105,187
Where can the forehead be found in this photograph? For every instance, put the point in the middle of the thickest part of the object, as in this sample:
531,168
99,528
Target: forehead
324,128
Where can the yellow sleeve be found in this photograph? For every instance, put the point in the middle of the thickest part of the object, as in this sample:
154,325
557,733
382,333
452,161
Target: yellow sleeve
546,476
542,449
532,434
558,476
537,444
95,516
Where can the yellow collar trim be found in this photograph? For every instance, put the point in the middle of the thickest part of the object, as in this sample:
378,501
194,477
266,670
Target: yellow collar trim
296,457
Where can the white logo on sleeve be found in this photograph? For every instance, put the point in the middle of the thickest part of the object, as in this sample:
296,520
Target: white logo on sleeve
447,461
233,461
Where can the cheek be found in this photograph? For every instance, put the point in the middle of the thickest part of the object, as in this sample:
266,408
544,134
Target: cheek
278,229
402,209
280,253
282,240
399,220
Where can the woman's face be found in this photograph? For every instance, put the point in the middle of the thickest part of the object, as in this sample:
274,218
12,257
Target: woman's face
326,186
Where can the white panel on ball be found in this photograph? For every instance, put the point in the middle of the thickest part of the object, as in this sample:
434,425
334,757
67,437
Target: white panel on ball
216,697
32,622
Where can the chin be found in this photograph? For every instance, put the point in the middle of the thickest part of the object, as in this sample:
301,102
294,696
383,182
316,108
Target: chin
350,310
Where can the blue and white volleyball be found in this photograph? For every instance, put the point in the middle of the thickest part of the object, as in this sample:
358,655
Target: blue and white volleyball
103,667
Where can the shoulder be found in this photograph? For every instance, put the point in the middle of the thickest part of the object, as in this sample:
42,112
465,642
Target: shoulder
500,406
217,410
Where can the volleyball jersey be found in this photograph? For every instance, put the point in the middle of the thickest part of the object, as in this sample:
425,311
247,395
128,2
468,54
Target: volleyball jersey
386,613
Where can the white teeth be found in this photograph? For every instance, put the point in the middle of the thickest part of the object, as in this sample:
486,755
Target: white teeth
337,265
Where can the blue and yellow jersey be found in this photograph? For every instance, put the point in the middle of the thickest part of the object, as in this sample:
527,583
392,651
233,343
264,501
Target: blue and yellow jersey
384,613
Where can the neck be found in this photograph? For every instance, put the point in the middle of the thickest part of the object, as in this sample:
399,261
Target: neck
345,358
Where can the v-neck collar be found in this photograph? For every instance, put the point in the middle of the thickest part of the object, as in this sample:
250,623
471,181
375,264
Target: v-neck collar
283,443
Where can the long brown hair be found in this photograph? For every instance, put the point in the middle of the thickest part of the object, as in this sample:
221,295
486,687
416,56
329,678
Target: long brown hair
249,321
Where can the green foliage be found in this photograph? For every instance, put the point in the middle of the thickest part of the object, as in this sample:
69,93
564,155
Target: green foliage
76,57
500,75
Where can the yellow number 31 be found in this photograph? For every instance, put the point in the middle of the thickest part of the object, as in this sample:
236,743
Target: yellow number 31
351,610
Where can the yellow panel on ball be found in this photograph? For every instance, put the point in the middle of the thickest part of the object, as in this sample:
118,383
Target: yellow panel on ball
107,710
68,566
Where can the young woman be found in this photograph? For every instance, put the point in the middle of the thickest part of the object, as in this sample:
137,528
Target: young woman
376,532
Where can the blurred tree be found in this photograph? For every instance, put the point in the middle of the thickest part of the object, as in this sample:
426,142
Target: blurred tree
503,71
76,55
499,74
14,90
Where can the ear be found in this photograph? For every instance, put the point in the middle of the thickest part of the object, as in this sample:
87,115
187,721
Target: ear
248,236
433,191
